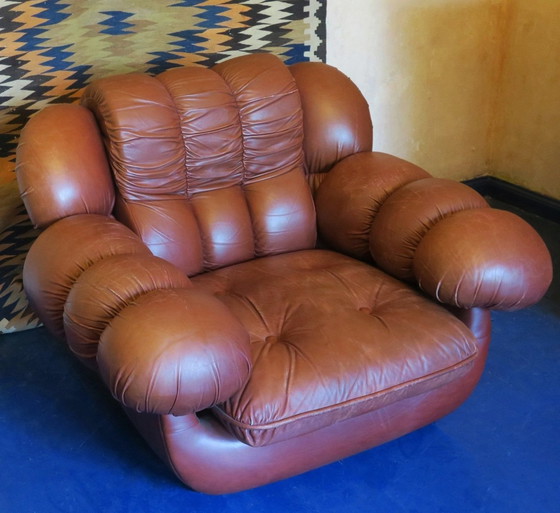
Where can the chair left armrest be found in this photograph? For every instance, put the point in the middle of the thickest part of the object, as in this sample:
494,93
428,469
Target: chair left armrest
484,258
437,233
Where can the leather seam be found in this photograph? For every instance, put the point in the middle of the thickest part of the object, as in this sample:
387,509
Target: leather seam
350,402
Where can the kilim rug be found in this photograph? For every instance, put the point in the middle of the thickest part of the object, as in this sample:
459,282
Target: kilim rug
51,49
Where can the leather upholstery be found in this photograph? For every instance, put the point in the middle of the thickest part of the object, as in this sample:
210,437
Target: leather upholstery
80,182
297,385
336,118
219,151
180,259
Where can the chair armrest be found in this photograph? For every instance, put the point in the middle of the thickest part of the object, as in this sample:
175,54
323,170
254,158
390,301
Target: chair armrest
62,168
174,352
60,255
443,235
160,346
484,258
436,232
351,194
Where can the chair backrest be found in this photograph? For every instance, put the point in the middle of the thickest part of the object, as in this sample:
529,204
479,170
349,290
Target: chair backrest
211,166
208,163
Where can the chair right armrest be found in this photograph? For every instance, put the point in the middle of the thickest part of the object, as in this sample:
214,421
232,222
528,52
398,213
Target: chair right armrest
174,351
160,345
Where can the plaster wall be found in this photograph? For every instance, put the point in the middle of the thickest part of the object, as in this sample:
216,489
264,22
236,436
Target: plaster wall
526,138
429,72
460,87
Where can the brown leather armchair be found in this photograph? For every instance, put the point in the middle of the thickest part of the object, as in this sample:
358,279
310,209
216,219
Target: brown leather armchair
180,259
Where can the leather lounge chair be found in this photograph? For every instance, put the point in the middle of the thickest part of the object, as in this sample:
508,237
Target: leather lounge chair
262,292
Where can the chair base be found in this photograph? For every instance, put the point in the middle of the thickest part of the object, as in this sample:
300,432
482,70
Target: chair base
207,458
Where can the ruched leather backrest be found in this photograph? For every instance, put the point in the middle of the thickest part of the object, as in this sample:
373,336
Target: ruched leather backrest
208,166
209,163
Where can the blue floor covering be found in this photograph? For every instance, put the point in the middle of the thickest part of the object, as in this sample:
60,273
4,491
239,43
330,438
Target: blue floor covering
66,447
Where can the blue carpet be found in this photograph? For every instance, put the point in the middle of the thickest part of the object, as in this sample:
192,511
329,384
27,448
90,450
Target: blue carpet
66,447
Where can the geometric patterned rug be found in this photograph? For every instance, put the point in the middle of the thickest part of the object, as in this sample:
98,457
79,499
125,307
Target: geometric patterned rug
15,313
51,49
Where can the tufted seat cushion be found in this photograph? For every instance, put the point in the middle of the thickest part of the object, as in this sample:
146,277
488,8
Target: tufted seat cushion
368,340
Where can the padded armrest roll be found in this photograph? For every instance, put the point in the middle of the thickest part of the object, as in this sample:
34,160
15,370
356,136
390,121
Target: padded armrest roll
483,258
174,352
409,214
107,287
350,196
63,252
61,168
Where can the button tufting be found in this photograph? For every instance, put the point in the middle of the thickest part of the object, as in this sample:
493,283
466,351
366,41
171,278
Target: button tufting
365,309
271,339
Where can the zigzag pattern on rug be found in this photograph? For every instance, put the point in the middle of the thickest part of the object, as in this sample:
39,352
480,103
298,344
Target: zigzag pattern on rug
51,49
15,241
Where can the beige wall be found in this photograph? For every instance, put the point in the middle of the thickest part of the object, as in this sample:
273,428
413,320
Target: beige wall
428,70
526,136
450,82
